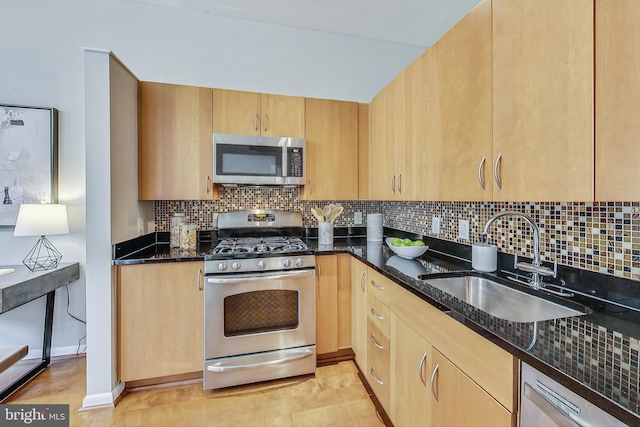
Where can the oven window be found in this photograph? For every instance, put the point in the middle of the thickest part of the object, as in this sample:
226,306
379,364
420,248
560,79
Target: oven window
261,311
248,160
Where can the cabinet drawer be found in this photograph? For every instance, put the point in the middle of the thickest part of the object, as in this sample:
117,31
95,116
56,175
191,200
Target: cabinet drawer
376,338
378,286
378,315
378,374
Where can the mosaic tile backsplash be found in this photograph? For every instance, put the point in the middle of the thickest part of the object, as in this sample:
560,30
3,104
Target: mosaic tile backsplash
603,237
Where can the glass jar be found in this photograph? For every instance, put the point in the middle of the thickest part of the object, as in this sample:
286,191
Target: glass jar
177,220
188,239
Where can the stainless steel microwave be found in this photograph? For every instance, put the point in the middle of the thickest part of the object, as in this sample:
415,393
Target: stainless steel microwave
258,160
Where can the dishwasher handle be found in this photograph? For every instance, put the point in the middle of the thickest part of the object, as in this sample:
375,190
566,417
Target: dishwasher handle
561,416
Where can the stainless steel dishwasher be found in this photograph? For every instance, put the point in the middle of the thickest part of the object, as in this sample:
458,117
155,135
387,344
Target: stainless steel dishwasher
545,403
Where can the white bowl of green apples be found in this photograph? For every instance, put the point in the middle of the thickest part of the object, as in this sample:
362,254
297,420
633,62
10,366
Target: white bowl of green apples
406,248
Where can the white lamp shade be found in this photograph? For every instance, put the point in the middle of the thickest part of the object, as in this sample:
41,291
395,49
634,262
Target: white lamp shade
41,220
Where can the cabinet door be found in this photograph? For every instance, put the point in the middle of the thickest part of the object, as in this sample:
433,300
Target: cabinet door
332,150
236,112
410,370
175,149
160,320
382,144
421,168
617,100
359,312
458,401
363,151
464,93
543,99
326,304
282,115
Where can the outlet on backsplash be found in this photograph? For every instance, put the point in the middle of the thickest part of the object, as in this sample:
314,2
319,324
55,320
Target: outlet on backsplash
463,229
435,225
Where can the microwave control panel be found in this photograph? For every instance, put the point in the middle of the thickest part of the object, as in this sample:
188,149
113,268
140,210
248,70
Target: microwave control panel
294,162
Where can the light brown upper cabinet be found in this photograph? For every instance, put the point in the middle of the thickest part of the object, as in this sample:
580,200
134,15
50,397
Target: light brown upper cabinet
463,147
617,100
175,151
543,99
249,113
332,150
387,173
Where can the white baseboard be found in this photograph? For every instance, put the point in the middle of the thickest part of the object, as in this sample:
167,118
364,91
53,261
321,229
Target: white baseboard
102,400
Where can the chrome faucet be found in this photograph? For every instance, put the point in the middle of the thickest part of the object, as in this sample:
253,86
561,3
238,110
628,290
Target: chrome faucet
536,268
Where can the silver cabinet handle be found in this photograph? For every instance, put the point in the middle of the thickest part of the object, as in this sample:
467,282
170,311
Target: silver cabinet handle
219,367
375,377
399,183
255,122
551,409
376,314
310,186
377,286
265,123
496,171
393,183
375,343
207,183
199,279
421,367
362,280
481,171
433,378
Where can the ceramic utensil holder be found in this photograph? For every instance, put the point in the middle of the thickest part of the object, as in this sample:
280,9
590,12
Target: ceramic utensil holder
325,233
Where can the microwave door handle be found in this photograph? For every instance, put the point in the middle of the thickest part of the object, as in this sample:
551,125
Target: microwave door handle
238,279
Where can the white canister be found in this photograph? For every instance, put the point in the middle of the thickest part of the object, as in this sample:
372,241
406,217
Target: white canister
325,233
484,257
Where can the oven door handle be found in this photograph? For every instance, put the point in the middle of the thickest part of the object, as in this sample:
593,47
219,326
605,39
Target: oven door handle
271,276
301,354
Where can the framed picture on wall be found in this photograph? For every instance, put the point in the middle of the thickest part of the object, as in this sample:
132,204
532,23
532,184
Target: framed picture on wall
28,158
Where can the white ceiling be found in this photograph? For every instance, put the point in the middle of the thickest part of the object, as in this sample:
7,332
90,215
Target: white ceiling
407,22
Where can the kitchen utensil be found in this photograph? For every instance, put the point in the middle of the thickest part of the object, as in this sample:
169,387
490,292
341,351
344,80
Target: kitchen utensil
317,213
327,213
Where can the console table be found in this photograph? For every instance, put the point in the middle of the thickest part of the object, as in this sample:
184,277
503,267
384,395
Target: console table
23,286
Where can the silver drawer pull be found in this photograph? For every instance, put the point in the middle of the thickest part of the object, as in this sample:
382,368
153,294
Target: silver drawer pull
376,314
375,343
480,172
375,285
373,373
362,280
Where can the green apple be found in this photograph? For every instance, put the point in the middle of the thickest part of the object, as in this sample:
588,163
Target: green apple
396,242
418,243
406,242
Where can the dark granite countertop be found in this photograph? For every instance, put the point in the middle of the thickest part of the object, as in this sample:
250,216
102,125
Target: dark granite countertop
595,355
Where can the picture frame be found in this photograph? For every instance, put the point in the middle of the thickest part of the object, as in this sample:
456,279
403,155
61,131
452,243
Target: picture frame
28,158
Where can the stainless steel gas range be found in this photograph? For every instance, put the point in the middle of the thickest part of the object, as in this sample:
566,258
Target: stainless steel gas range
260,300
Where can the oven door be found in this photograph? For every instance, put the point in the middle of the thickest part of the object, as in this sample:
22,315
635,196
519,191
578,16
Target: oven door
258,312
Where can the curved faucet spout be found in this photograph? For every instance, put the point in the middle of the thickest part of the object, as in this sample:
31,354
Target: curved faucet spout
532,224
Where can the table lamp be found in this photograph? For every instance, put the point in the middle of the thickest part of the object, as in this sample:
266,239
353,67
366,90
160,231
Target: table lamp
41,220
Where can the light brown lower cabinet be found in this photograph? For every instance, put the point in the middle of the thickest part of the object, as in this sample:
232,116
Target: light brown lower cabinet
333,303
411,342
160,320
359,312
458,401
411,361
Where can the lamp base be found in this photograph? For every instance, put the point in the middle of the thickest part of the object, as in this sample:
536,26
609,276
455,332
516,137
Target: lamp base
43,256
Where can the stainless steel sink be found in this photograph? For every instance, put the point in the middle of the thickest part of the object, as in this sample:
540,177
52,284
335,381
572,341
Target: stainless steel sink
502,301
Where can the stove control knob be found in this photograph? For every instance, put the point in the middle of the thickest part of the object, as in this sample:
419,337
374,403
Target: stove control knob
235,266
262,264
222,266
299,262
286,263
